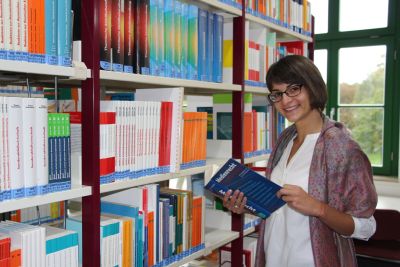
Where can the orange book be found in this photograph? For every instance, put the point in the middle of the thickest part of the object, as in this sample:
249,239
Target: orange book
204,135
185,136
247,133
282,10
16,258
40,27
150,238
255,135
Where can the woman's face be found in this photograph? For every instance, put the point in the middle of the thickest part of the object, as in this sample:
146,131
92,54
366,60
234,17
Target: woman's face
296,108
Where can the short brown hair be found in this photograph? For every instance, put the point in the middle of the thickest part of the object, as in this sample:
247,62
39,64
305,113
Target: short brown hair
296,69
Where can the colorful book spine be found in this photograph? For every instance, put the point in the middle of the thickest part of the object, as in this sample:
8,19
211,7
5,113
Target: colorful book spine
128,36
178,38
64,32
153,37
193,29
117,35
218,45
202,46
160,38
169,37
24,30
142,23
105,34
184,40
51,31
209,46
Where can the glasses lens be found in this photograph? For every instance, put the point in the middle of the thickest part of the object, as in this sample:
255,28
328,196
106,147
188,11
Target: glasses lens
274,97
293,90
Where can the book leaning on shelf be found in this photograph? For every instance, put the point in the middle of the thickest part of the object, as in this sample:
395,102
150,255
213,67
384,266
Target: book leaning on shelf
260,192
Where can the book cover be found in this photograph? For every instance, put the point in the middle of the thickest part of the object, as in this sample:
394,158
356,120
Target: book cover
260,192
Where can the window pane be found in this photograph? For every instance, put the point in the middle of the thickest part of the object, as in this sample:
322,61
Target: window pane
363,14
321,61
319,9
366,126
362,81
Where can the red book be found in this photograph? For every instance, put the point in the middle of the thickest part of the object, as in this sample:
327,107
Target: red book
255,135
164,158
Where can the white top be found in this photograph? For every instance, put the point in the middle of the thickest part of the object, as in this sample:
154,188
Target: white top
287,232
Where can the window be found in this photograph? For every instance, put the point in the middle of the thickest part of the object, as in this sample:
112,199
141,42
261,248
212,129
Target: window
363,14
357,53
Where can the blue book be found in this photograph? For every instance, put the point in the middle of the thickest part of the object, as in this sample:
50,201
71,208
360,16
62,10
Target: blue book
51,31
202,39
218,43
64,33
260,191
184,40
209,46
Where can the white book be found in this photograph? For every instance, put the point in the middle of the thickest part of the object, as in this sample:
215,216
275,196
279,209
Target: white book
24,26
29,152
15,145
7,26
2,172
41,144
1,26
15,25
174,95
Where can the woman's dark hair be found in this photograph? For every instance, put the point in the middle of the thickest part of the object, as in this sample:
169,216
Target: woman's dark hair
296,69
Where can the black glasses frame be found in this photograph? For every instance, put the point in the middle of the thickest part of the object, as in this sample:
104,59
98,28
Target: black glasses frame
277,96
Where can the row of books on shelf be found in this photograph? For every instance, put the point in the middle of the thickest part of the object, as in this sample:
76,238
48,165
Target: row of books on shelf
147,226
28,245
47,213
34,148
163,38
292,14
36,31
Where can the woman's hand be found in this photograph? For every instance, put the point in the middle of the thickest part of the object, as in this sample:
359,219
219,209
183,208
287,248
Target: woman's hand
300,201
235,202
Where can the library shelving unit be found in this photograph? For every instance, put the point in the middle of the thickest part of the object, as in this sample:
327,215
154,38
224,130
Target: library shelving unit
90,124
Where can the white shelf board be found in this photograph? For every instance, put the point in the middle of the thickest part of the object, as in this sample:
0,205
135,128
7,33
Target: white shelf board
281,31
138,80
249,231
77,72
215,238
192,171
222,6
119,185
256,89
188,259
257,158
15,204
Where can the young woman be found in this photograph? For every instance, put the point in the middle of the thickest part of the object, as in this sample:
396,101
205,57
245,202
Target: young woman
326,178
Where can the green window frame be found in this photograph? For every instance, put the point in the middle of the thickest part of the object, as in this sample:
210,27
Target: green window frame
334,40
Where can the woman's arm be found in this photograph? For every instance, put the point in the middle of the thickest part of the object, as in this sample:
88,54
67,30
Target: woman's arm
302,202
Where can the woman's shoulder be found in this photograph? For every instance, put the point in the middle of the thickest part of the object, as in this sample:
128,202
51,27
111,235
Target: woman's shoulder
337,138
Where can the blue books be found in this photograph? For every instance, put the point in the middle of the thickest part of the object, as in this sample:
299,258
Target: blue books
260,192
202,39
218,43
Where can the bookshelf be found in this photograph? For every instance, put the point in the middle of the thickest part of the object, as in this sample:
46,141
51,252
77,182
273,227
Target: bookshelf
92,78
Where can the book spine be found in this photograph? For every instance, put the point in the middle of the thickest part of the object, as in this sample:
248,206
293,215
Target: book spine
210,46
160,38
7,11
193,30
2,39
169,37
15,142
184,40
24,29
29,150
64,33
142,39
202,39
117,34
153,37
178,36
105,34
51,31
128,36
218,43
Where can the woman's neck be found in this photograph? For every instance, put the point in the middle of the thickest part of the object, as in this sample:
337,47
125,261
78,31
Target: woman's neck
311,124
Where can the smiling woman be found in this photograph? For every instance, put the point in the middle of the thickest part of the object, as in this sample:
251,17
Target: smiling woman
313,159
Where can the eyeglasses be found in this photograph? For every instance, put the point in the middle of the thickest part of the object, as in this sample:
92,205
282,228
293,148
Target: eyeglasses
291,91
